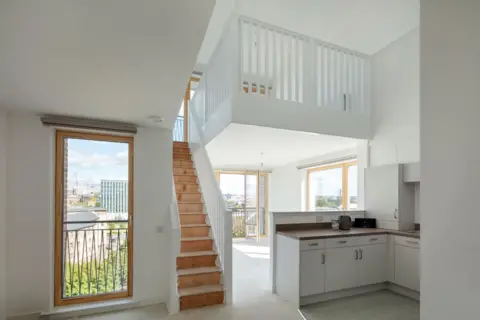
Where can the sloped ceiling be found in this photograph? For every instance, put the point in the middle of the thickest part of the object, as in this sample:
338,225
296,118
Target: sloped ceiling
110,59
366,26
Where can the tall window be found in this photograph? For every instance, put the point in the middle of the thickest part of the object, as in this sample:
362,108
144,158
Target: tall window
332,187
93,217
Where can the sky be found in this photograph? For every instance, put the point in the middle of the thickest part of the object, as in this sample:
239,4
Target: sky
90,161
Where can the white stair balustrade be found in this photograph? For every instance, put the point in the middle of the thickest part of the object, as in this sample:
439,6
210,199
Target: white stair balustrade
219,217
259,72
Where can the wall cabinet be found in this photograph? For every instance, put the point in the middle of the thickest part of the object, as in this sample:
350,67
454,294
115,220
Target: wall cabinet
388,198
312,272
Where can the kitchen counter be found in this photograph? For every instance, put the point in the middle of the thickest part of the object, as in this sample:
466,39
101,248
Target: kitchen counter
309,234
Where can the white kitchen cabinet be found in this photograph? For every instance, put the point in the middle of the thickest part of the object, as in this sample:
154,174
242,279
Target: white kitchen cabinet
312,272
388,198
341,268
407,267
372,267
356,266
411,172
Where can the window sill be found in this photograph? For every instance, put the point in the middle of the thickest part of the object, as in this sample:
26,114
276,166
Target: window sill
94,307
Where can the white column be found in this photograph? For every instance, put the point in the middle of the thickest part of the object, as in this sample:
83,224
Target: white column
450,158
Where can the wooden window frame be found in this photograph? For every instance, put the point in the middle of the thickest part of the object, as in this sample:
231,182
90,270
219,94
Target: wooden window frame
344,166
60,135
186,102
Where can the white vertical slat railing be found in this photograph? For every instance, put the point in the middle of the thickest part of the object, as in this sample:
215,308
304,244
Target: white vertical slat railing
342,79
256,58
281,64
219,217
173,304
219,74
271,61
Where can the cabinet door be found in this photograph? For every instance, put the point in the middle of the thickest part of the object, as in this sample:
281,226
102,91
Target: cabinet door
407,272
340,268
372,264
312,272
382,192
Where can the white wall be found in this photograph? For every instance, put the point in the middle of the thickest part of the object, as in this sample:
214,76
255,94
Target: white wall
396,102
249,109
3,212
450,113
288,183
30,214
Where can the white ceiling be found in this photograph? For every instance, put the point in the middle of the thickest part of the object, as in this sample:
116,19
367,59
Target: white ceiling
240,146
362,25
110,59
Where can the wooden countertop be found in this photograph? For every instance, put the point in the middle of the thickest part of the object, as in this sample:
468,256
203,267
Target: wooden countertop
309,234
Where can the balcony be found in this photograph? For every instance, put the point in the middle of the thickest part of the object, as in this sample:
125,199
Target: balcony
95,259
263,75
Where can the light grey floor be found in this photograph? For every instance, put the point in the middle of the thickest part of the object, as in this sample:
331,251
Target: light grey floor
381,305
251,270
252,298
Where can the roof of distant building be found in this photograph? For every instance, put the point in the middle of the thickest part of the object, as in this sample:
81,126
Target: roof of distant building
85,209
81,217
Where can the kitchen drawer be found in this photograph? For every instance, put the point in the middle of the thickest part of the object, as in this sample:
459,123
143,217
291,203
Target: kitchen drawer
375,239
407,241
343,242
312,244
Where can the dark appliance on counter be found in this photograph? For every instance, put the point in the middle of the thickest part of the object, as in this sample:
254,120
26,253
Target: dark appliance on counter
365,223
344,222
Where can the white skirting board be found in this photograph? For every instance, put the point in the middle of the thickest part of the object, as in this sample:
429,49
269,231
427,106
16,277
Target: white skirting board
403,291
358,291
341,294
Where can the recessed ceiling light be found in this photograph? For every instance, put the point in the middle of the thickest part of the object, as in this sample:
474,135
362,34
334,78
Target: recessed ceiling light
156,119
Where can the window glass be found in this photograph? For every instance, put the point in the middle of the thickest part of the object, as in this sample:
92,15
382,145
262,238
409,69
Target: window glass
326,189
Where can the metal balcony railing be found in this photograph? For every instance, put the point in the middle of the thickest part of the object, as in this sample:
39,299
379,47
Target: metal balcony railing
95,259
244,222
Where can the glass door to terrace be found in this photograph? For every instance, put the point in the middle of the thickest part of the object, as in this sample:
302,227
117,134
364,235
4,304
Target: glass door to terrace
245,194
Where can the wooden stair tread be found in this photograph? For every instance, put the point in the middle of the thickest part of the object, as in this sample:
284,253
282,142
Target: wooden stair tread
194,225
196,239
186,272
193,291
189,202
197,254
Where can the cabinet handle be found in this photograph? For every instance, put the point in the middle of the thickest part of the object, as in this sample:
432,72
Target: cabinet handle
323,258
412,242
356,254
361,254
313,244
373,239
395,214
342,241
